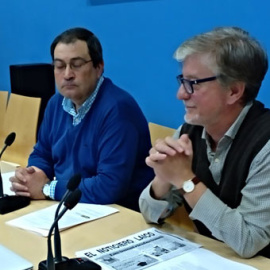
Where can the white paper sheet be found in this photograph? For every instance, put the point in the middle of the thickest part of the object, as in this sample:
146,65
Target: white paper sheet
12,261
41,221
201,259
7,183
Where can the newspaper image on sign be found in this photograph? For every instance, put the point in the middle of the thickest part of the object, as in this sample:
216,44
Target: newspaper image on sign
139,251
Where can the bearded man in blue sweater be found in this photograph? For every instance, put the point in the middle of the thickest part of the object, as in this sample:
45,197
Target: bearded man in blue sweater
91,127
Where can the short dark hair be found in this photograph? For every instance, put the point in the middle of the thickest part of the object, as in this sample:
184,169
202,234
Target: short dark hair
74,34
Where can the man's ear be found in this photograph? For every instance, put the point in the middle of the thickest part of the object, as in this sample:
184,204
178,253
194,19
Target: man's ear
236,92
100,69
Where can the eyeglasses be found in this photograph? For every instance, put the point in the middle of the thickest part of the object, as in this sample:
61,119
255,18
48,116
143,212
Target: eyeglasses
75,64
188,84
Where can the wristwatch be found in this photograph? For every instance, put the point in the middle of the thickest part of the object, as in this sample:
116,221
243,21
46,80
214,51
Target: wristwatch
46,191
189,185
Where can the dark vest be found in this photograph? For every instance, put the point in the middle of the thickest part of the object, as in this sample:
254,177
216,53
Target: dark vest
253,134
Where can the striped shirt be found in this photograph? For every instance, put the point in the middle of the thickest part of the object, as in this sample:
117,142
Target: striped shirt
245,229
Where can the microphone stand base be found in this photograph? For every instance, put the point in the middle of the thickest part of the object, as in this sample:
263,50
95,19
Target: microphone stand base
74,264
12,203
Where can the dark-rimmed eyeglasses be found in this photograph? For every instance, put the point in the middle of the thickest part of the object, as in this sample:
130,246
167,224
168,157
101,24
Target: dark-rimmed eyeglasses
75,64
188,84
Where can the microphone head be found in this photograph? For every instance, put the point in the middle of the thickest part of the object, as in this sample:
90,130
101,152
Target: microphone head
72,199
10,139
74,182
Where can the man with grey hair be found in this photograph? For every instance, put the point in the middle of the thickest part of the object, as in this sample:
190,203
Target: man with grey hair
218,161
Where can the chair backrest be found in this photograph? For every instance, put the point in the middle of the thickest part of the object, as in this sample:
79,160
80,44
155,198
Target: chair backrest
180,216
33,80
3,106
21,117
159,132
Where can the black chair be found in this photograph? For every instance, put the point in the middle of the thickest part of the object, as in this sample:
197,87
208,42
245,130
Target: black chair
33,80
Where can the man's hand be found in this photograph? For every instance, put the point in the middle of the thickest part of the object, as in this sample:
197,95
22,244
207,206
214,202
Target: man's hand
172,160
29,182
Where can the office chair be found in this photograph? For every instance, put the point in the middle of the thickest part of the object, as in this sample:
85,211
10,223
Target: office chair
21,117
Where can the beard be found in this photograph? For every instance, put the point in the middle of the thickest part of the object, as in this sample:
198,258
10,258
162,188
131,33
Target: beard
193,119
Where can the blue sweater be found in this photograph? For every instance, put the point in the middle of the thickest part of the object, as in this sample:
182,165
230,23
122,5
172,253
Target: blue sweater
108,148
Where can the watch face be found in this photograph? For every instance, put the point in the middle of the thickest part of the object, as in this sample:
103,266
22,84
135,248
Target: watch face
188,186
46,190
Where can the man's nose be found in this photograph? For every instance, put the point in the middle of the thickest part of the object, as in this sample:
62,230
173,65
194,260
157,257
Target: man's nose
182,94
68,72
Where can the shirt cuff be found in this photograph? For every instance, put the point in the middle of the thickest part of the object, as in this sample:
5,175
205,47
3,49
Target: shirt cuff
52,189
153,210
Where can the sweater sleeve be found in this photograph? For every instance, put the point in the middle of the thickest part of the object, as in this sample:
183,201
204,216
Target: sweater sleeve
41,156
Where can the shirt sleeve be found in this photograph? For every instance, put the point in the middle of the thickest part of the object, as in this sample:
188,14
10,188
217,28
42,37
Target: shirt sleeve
152,209
245,229
156,211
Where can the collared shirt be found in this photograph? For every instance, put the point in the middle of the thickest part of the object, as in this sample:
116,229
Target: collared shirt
218,157
69,107
246,229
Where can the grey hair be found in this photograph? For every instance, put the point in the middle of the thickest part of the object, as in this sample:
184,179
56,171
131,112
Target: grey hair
237,57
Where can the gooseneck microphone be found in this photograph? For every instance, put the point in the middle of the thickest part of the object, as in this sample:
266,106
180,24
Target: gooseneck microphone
73,183
8,141
76,263
10,203
70,202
